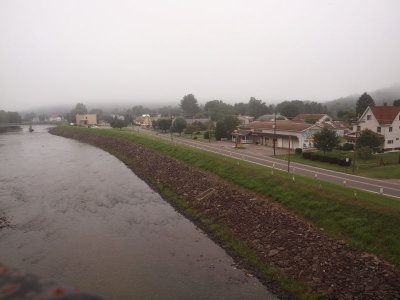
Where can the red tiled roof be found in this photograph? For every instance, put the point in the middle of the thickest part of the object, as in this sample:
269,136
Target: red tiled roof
385,114
280,125
302,117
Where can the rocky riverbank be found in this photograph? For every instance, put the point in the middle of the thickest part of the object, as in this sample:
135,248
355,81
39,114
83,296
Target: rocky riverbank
279,237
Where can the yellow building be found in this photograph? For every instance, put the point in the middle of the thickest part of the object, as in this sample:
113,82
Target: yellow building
85,120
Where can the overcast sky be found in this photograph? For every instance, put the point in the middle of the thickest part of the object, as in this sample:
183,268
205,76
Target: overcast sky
140,52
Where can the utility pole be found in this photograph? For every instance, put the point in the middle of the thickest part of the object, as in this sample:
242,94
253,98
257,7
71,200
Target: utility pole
274,131
288,161
209,127
355,145
170,128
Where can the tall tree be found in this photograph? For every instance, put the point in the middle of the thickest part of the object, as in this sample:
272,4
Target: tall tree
220,130
189,106
80,108
218,109
240,108
396,102
256,108
290,110
326,140
231,123
363,102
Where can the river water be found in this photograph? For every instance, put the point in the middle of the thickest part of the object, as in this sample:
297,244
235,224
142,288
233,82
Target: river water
81,217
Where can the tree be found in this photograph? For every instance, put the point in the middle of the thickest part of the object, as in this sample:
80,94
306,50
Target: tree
117,123
363,102
364,152
190,128
326,140
368,138
220,130
290,110
189,106
240,108
396,102
164,124
231,123
80,108
179,125
218,109
256,108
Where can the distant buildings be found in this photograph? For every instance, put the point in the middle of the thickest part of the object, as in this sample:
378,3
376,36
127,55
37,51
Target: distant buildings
55,118
86,119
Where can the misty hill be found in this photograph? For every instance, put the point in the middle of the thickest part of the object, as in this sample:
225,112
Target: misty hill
380,96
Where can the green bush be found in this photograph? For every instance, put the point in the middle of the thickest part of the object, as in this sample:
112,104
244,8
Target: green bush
298,151
307,155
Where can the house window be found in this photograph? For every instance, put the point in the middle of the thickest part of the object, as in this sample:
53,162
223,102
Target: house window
378,129
390,141
390,129
368,117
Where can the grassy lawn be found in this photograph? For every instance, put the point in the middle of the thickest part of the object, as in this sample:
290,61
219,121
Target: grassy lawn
370,223
369,168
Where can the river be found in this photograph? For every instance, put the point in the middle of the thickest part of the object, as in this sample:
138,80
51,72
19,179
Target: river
79,216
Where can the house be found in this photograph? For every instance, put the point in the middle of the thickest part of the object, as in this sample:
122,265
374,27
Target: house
340,127
383,120
306,118
86,119
119,117
245,119
286,132
143,120
55,118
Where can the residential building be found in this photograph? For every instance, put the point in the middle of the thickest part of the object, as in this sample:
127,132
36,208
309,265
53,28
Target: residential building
383,120
55,118
86,119
286,132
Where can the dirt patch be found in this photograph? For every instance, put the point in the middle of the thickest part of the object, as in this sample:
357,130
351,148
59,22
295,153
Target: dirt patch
281,238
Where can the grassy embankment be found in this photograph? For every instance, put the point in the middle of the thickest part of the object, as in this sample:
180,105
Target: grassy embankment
369,168
370,223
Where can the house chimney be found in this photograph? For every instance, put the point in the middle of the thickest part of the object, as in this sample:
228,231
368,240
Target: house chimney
385,104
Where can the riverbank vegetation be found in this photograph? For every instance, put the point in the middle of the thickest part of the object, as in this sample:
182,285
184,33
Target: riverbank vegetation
369,223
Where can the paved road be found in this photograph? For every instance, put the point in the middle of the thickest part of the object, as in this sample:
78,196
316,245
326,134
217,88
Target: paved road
368,184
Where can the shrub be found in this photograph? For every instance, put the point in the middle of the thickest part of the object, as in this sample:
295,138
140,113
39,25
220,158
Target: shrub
205,135
324,158
315,156
195,138
348,147
298,151
333,160
307,155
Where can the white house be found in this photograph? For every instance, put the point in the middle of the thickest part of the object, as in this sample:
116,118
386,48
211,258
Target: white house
384,120
298,135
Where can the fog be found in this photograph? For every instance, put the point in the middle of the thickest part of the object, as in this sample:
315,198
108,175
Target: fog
154,52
